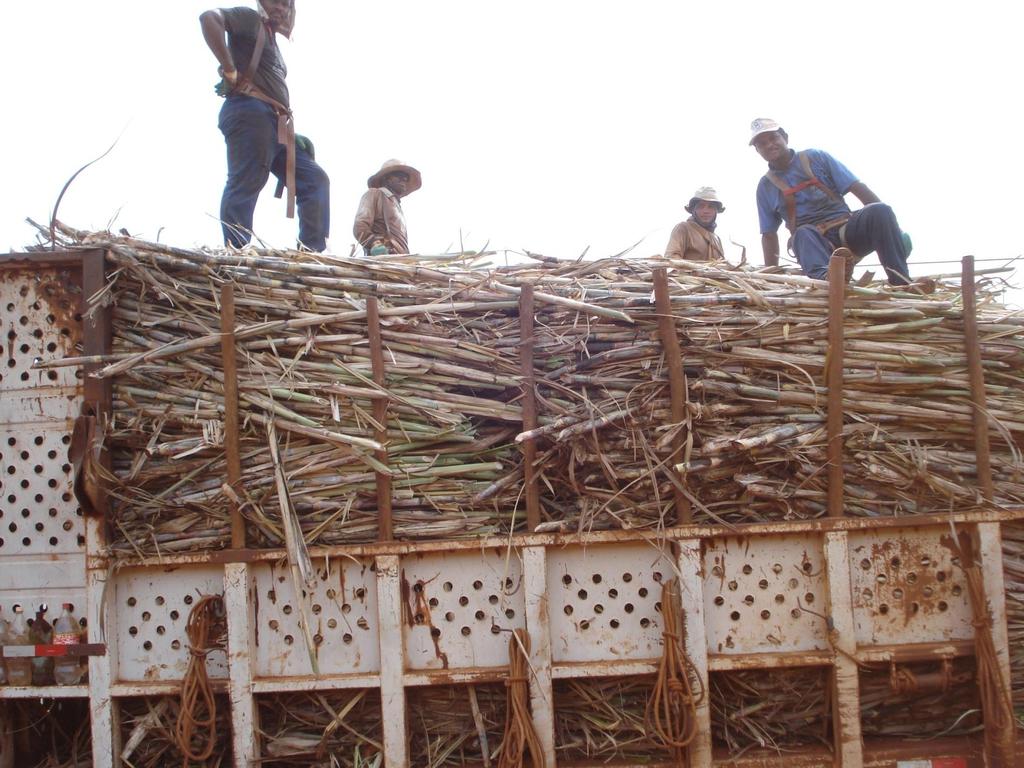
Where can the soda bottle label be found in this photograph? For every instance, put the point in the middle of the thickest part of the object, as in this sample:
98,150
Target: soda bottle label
65,638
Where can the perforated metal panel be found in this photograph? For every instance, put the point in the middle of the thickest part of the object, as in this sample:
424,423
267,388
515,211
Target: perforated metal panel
906,588
38,512
342,612
763,594
39,319
460,608
605,602
42,532
152,612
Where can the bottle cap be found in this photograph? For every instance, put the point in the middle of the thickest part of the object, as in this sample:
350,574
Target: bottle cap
66,606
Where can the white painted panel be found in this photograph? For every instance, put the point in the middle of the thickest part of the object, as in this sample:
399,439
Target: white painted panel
605,601
342,611
906,588
461,607
38,510
759,594
152,610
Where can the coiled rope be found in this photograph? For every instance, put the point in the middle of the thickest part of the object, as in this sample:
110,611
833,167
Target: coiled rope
196,729
671,716
996,700
519,737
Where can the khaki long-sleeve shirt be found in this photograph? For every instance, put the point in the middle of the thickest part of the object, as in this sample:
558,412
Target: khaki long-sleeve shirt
690,241
380,217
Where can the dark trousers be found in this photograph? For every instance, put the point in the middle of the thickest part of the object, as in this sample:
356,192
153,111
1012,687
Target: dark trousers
872,228
250,132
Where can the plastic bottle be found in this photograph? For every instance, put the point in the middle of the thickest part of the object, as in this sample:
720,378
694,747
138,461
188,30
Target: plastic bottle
41,633
19,669
4,630
67,670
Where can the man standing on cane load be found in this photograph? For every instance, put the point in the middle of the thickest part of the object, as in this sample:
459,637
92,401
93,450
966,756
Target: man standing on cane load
805,189
256,121
695,238
380,223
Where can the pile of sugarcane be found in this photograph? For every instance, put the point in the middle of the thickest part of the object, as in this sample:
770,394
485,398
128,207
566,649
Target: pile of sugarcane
148,738
774,709
921,708
460,725
604,719
1013,572
335,728
754,346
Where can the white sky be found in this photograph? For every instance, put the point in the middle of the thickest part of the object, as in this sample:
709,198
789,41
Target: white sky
549,126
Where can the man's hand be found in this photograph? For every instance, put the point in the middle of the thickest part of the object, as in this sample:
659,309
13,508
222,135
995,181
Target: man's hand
228,81
305,145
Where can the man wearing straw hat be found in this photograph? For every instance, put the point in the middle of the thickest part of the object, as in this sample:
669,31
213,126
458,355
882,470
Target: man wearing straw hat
256,121
695,238
805,189
380,223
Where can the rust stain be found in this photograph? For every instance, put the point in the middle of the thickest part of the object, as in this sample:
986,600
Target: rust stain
417,606
256,614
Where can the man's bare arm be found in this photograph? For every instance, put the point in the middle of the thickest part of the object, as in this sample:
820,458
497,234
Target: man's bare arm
770,247
865,195
212,23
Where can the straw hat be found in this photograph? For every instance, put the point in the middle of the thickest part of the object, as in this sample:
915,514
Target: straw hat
396,166
708,195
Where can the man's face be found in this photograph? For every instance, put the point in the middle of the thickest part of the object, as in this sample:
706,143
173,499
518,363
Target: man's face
397,182
771,146
705,212
277,11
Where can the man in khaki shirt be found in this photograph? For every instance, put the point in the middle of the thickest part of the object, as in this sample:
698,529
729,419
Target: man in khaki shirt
695,238
380,223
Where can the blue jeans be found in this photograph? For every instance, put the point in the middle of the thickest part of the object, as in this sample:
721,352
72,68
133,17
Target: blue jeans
250,132
872,228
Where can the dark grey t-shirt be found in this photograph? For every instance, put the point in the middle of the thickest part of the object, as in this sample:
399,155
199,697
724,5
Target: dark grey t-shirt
242,25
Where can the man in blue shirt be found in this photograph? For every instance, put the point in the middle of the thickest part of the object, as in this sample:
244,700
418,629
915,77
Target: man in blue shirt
805,189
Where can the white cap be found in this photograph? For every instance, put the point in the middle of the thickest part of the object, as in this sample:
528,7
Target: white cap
762,125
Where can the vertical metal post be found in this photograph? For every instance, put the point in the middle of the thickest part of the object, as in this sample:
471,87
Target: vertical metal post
677,384
386,531
846,725
239,601
532,492
986,538
836,298
691,590
232,447
98,396
392,660
538,625
977,378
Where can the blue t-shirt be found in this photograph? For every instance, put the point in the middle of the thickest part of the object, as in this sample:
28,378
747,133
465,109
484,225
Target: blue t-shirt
812,204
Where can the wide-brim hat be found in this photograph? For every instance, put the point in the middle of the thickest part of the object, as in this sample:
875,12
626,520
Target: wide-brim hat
396,166
762,125
708,195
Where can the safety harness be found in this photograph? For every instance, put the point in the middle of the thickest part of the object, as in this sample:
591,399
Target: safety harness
810,180
285,119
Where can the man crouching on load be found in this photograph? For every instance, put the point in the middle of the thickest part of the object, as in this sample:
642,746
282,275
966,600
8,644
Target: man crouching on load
805,189
695,238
